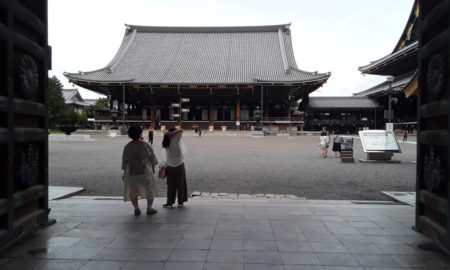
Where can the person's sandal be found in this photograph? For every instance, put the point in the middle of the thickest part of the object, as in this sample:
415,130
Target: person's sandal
167,205
151,211
180,205
137,212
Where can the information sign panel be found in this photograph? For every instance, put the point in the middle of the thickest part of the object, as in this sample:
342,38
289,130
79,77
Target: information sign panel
390,127
379,141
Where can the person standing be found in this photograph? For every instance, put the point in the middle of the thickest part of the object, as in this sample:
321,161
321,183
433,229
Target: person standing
175,170
196,132
138,164
150,135
199,132
324,141
405,135
337,140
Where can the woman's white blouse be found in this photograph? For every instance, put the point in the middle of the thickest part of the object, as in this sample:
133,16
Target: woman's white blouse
174,153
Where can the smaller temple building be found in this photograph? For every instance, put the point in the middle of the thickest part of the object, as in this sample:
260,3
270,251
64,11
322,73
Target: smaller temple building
399,90
343,114
73,98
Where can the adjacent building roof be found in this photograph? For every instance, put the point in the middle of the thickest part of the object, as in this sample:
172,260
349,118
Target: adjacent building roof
72,96
342,103
203,56
398,84
395,63
404,56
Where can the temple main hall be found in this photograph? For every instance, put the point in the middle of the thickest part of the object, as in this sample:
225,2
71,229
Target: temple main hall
208,77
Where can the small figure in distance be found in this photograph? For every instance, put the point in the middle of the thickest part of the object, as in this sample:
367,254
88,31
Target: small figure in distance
138,164
175,171
150,135
405,135
324,141
199,132
337,140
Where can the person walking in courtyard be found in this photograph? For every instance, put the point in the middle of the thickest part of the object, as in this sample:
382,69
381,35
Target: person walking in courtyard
138,164
150,135
175,171
199,132
337,140
405,135
324,142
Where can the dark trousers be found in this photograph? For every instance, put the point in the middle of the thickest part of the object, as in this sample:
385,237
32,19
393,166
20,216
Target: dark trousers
176,183
150,138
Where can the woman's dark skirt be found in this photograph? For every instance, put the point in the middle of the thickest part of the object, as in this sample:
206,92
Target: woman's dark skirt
336,147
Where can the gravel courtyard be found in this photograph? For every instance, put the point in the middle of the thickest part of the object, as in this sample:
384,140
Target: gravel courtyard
276,165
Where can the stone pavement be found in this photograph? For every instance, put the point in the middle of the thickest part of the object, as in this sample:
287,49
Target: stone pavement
220,233
61,192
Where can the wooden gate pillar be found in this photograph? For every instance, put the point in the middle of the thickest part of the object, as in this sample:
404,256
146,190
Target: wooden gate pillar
433,164
25,60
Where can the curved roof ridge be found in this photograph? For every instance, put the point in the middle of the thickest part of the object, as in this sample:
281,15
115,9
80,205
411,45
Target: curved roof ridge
412,46
209,29
113,65
311,72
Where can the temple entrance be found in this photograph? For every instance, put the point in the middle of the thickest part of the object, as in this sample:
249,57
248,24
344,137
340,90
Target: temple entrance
23,118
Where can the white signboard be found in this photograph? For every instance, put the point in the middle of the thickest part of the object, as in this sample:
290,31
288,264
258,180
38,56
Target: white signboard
175,105
185,100
185,110
390,127
378,141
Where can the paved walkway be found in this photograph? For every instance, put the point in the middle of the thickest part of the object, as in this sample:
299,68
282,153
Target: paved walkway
220,233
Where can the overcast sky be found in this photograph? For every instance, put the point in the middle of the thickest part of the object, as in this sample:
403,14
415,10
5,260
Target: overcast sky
327,35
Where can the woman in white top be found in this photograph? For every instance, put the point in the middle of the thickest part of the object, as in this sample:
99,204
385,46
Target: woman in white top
175,171
138,163
324,142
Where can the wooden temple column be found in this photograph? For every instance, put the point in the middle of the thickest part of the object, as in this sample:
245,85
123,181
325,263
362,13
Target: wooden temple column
152,114
211,111
238,112
288,114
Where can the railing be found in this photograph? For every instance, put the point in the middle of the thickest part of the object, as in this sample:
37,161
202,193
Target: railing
339,122
119,118
250,119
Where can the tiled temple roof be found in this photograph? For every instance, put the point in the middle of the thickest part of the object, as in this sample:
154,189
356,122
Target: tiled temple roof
342,103
398,85
203,56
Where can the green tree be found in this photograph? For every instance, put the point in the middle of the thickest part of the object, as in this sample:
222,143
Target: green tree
100,104
56,105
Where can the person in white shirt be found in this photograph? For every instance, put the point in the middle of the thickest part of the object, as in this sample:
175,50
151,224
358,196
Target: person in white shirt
175,171
324,142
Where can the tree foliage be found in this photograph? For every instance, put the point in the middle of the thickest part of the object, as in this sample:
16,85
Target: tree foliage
56,105
59,113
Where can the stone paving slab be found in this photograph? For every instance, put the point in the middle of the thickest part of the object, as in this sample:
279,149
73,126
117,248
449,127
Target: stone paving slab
214,233
60,192
406,197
